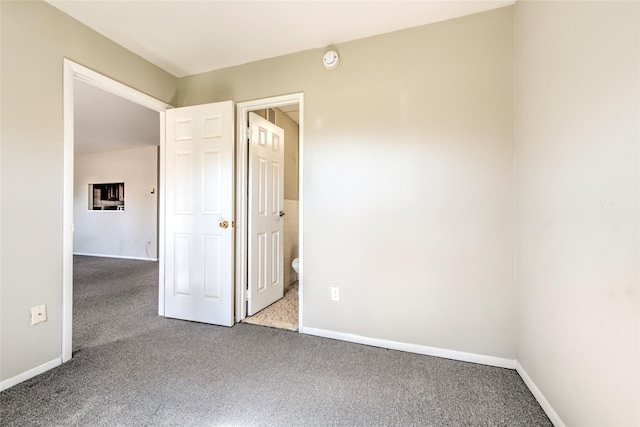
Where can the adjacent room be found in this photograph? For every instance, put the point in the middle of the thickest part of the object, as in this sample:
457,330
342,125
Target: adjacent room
463,203
115,215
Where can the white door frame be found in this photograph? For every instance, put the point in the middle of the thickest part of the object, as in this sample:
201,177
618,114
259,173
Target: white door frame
242,188
71,72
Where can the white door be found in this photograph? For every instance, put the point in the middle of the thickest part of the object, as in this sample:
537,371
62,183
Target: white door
266,225
199,213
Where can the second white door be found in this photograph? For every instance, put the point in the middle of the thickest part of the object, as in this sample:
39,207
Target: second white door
266,223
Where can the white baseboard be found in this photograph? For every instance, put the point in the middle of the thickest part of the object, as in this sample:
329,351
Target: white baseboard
546,406
413,348
10,382
117,256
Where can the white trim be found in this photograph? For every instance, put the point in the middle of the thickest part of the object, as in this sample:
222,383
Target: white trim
544,403
10,382
139,258
300,210
413,348
72,71
123,91
242,168
67,211
161,214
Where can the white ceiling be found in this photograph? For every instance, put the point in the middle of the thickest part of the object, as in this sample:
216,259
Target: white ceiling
191,37
292,111
106,122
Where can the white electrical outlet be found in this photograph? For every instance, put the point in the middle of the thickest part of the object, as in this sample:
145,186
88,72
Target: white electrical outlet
335,293
38,314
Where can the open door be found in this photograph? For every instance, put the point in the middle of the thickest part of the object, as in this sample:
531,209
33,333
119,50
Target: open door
266,226
199,244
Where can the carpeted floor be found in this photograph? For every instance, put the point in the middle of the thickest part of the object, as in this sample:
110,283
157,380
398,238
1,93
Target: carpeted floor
282,314
133,368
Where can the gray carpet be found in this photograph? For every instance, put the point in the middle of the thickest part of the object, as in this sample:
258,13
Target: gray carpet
133,368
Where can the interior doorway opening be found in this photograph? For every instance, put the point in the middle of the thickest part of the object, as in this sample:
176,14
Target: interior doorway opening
73,71
74,76
283,312
116,160
290,109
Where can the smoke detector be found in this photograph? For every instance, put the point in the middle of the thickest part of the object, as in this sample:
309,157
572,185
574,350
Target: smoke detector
330,60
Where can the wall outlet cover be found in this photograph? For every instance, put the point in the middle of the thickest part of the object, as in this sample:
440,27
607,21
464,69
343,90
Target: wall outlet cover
38,314
335,293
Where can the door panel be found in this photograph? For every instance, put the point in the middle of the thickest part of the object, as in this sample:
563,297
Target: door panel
266,226
199,199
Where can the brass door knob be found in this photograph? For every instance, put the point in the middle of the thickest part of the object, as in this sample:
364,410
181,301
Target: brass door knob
224,224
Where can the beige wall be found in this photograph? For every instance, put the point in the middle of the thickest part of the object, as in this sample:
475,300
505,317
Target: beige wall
408,197
128,234
291,131
291,195
407,180
291,239
35,39
576,137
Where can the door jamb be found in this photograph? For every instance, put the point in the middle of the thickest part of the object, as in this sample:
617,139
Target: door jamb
71,71
242,188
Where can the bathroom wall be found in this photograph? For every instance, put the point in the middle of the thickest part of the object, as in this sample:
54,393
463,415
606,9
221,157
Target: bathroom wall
291,179
291,168
291,239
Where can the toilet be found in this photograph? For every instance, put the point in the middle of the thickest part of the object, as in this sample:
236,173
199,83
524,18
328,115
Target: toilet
296,265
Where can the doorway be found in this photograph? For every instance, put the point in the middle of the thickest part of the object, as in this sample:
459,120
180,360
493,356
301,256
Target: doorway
115,175
273,220
115,266
76,73
292,106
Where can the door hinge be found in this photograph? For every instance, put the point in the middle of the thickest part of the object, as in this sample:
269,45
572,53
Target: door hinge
249,135
247,295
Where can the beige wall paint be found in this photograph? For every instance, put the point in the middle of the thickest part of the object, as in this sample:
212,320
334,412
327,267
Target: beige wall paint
35,39
408,187
407,180
113,233
291,130
576,135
